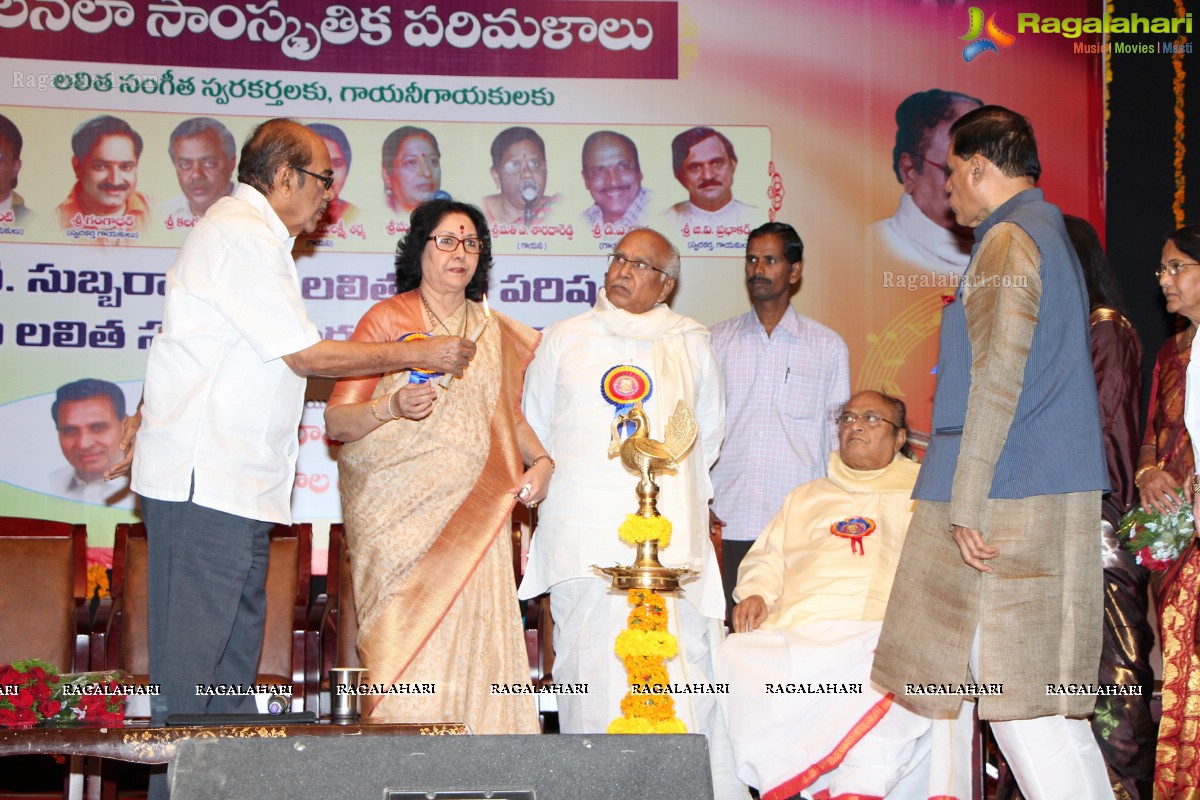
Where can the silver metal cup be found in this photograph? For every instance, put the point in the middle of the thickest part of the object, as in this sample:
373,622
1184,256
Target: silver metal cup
343,695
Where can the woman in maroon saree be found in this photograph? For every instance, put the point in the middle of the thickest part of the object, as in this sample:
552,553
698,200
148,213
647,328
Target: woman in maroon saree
1166,463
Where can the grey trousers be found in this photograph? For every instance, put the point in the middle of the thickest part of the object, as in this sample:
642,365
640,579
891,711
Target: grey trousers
207,603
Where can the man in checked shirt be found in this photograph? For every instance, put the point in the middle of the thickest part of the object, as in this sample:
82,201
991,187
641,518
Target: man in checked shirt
785,377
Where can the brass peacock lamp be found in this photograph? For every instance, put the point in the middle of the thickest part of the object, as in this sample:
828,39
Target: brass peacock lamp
647,458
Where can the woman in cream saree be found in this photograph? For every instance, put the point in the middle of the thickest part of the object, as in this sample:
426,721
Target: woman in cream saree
429,476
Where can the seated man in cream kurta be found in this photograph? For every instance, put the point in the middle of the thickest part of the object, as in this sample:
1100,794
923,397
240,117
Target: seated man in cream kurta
811,595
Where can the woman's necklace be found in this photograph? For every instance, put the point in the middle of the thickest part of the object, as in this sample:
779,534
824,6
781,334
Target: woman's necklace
432,316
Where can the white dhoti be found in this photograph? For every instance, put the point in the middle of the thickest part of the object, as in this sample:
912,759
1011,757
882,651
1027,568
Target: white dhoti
803,715
588,615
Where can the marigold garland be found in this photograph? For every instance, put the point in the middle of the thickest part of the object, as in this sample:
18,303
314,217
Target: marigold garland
97,580
654,707
647,707
655,643
635,530
646,670
638,725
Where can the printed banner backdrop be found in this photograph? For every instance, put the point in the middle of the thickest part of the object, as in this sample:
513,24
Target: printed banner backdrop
805,91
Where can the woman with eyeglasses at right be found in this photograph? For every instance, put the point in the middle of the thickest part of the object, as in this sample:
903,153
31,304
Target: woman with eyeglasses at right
1167,462
429,475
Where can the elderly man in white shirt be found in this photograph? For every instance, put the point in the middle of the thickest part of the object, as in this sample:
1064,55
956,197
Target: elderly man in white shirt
224,391
667,356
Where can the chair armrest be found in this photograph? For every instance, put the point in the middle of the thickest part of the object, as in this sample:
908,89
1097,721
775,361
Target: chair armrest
83,630
299,662
98,639
315,644
545,629
328,631
316,614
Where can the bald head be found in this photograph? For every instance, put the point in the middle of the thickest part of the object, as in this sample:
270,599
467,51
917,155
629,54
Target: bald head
642,271
871,430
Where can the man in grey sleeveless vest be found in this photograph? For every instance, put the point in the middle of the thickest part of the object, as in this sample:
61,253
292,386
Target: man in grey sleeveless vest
998,594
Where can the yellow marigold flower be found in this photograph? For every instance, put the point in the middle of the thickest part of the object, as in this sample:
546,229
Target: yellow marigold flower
637,529
655,707
646,597
646,643
646,618
97,580
671,726
626,725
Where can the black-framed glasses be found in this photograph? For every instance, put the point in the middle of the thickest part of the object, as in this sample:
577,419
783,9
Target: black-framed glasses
844,419
1172,267
325,179
945,168
618,259
449,243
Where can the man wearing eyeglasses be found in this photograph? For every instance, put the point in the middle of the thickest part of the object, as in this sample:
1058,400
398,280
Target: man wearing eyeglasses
812,594
223,394
1001,578
630,346
704,162
519,170
923,230
613,176
203,152
785,376
917,255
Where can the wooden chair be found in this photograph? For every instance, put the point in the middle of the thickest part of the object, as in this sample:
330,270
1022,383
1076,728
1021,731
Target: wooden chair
285,634
334,614
44,604
124,626
334,611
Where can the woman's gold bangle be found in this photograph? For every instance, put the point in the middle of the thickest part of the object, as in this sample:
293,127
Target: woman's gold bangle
1137,476
381,420
546,456
395,412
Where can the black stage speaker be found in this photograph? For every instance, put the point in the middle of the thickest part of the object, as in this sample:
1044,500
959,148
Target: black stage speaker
536,767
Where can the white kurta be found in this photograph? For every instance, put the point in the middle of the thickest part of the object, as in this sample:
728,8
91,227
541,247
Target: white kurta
802,712
913,237
590,493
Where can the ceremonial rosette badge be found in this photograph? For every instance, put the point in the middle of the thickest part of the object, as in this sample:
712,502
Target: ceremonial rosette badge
624,385
418,375
855,529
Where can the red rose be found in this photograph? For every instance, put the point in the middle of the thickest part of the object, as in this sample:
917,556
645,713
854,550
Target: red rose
49,708
23,701
17,717
9,676
91,704
114,714
1147,560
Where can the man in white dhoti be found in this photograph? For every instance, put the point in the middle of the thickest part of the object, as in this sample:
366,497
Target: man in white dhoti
630,347
803,715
